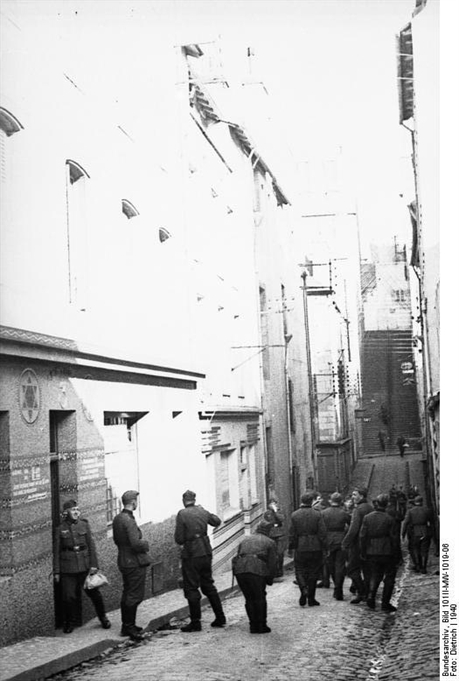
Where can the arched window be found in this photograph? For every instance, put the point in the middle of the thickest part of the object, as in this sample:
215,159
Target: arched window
9,123
76,171
129,209
164,235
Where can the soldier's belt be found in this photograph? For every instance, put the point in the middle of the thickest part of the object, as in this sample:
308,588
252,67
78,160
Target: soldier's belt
74,548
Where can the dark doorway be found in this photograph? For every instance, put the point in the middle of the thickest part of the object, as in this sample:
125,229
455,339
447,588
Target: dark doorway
62,438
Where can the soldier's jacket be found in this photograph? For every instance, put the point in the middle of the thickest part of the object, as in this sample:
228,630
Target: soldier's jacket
417,522
379,535
74,549
257,555
351,540
132,549
191,531
307,530
336,521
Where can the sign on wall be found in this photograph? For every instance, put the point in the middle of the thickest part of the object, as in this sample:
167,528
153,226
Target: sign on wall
29,396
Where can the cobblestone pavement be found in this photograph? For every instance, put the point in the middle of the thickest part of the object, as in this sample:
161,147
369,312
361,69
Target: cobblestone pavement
333,642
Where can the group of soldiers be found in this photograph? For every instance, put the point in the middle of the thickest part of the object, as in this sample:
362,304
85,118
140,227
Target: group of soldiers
328,542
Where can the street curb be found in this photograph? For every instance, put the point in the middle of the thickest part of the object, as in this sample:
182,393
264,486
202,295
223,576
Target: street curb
93,650
67,661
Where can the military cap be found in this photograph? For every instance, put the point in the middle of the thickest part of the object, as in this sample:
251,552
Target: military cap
381,500
189,495
336,498
264,527
128,496
308,498
71,503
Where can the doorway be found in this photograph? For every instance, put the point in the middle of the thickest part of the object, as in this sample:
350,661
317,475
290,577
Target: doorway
62,438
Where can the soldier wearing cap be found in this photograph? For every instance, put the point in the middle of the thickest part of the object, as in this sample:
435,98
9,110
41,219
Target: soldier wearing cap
336,521
74,556
276,518
254,567
308,537
196,554
418,526
356,568
380,546
133,559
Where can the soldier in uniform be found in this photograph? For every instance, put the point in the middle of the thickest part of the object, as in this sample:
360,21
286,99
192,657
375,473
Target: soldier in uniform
191,535
74,556
418,525
133,560
380,546
336,521
275,516
255,567
355,566
308,538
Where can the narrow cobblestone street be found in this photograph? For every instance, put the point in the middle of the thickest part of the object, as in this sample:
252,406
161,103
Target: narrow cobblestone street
335,641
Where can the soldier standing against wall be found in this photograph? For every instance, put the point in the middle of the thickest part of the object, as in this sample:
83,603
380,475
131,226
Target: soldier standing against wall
275,516
191,535
133,560
74,556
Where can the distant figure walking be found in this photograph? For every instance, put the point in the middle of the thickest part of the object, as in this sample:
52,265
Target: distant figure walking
254,567
382,440
402,445
418,527
191,535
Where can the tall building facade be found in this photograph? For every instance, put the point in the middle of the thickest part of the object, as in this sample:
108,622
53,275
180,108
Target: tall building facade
418,60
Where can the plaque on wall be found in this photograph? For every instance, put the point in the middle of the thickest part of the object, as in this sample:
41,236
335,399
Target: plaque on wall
29,396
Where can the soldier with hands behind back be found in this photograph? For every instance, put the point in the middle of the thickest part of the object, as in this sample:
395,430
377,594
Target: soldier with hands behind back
133,560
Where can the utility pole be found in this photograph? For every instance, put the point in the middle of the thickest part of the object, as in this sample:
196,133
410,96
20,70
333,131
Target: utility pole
312,410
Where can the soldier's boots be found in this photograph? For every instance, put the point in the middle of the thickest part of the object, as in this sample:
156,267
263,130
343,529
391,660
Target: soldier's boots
262,629
338,594
424,565
303,597
193,625
388,607
68,627
216,604
312,592
195,617
129,628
